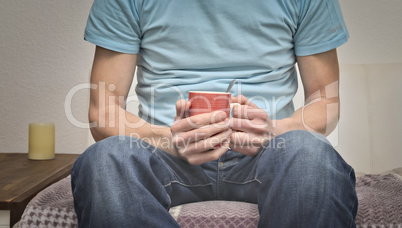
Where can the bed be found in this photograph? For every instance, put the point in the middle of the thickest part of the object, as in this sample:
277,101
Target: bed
380,205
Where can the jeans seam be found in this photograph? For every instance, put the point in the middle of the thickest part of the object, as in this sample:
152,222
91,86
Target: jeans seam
170,201
173,177
353,219
168,167
186,185
245,182
220,179
354,201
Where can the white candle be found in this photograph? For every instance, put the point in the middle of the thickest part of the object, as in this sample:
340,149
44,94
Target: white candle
41,141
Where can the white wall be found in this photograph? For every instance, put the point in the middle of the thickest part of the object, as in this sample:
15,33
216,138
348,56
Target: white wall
375,31
43,56
369,130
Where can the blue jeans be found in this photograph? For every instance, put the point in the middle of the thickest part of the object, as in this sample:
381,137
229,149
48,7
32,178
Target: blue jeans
298,180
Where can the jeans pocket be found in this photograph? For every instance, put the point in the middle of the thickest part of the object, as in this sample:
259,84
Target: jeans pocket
182,172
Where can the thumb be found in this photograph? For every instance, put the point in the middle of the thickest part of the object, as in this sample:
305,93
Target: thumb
182,106
242,100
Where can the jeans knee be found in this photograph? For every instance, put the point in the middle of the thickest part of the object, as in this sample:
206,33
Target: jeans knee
308,167
310,147
102,149
106,154
309,151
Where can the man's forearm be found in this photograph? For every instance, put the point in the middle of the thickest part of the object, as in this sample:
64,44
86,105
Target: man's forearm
115,120
320,115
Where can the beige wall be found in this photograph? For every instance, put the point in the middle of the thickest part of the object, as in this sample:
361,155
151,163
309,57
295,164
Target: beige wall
43,57
369,132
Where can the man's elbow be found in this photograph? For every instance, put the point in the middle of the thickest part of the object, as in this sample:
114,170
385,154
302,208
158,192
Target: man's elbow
94,120
333,116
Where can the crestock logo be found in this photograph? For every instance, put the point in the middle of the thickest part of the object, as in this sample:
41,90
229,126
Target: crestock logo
112,114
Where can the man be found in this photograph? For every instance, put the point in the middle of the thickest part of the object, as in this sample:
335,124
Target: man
265,153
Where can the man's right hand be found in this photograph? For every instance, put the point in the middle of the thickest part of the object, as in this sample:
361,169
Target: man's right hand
201,138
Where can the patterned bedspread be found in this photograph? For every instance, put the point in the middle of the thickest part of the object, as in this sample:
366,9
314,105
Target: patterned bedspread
380,205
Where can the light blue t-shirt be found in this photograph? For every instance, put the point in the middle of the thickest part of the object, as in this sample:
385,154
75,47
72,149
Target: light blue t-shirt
185,45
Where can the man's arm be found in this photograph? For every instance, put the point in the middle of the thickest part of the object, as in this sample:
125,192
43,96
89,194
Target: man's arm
113,73
195,138
320,78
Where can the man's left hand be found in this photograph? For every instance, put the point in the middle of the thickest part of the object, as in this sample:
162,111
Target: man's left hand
251,127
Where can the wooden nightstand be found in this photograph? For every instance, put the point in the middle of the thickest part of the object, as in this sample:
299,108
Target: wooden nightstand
21,179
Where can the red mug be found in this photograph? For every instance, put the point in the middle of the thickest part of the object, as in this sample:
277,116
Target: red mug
206,102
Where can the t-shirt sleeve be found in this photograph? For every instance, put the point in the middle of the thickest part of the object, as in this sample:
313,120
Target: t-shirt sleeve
320,27
114,25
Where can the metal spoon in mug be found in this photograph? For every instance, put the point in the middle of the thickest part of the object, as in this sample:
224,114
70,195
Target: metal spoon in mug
230,85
